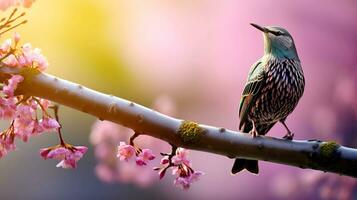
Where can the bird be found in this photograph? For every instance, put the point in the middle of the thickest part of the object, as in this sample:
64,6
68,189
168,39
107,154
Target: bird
274,87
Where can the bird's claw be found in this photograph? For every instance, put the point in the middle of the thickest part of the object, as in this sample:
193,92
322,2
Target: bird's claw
254,133
289,136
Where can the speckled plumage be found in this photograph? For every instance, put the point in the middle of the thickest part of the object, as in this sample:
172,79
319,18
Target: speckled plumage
275,85
272,94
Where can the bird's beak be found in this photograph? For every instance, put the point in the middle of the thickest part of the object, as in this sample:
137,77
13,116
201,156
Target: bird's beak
261,28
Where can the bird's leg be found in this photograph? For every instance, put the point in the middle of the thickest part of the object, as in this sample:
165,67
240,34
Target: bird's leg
289,135
254,131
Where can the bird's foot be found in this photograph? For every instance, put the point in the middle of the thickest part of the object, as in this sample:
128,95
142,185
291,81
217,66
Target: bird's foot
254,133
289,136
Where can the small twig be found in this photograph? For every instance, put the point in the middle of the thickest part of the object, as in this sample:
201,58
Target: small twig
163,170
133,137
23,22
7,21
55,111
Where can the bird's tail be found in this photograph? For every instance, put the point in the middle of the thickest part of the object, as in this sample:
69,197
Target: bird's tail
250,165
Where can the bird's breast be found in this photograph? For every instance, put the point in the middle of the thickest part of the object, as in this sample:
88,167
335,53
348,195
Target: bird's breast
279,95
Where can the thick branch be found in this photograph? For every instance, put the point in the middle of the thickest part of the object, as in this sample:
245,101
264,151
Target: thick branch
324,156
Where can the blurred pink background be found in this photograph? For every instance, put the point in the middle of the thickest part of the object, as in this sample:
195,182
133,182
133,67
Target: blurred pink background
198,53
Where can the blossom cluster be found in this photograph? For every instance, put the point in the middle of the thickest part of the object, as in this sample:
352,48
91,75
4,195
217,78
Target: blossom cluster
135,165
181,168
22,112
180,164
22,57
142,156
29,115
105,137
67,154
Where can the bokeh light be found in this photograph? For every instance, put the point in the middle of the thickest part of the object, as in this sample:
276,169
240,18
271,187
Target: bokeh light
197,53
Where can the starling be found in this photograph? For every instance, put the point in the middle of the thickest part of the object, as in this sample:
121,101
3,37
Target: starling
275,84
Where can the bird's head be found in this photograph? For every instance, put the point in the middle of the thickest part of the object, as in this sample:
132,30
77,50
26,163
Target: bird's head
278,42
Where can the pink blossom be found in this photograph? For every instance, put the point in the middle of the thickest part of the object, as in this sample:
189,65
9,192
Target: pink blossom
24,123
4,4
45,124
5,46
108,133
38,102
7,108
58,153
32,57
105,153
185,182
6,144
181,168
3,151
165,160
125,151
48,123
181,157
132,173
45,103
145,156
67,154
105,137
105,173
11,61
17,37
12,85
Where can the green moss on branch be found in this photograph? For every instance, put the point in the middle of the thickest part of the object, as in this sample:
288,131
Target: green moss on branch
190,132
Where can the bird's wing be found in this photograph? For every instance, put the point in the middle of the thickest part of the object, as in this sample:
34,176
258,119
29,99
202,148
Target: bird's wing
251,89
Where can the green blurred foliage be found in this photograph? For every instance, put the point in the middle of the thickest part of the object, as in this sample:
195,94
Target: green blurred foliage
75,36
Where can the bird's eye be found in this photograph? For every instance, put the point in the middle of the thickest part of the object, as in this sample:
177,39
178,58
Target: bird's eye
278,33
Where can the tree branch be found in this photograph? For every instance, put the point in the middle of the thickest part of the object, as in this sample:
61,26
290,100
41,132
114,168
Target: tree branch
324,156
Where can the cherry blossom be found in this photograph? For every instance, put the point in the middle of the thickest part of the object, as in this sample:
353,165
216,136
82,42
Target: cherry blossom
32,57
165,160
142,156
125,151
181,168
5,46
28,115
8,104
145,156
67,154
181,157
6,144
185,182
105,137
48,123
22,112
12,85
24,123
23,57
7,108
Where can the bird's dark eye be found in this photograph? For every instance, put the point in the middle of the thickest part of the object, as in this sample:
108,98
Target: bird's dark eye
277,33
